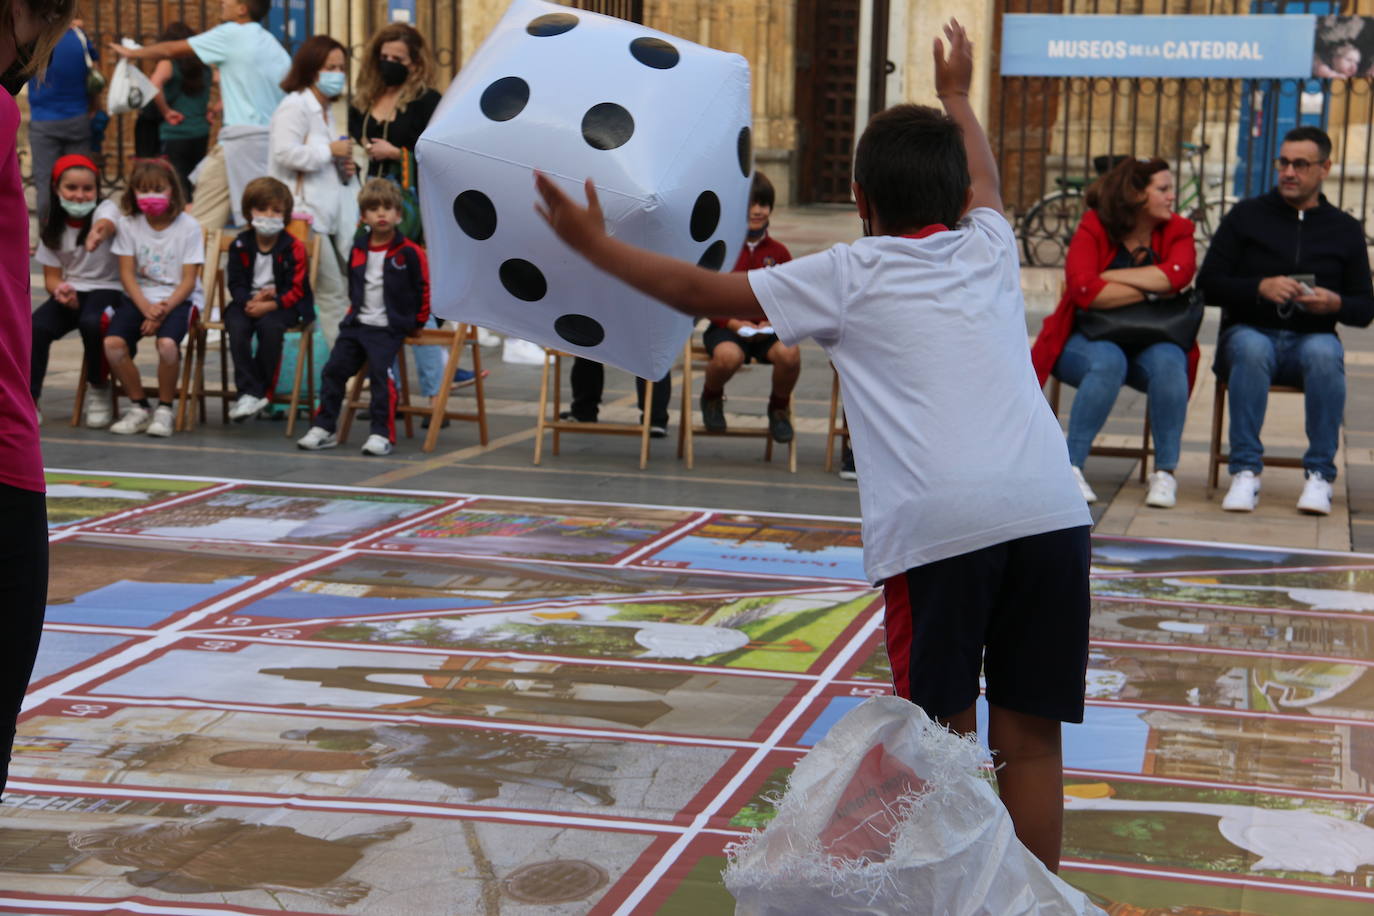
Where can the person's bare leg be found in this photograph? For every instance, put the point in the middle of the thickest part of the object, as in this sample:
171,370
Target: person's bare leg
1030,778
964,722
168,368
726,359
786,368
122,367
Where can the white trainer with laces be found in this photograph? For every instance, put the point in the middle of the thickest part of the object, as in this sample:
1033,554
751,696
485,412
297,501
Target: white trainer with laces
163,419
135,420
377,445
1163,490
1316,495
1244,493
316,438
97,410
246,406
1087,491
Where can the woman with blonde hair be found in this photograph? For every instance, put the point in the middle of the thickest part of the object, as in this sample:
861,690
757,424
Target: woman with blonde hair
394,98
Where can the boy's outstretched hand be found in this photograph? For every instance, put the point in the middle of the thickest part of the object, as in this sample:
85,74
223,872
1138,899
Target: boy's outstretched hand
953,74
579,227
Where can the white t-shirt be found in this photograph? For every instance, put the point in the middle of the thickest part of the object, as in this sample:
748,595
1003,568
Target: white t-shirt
159,256
262,270
252,64
86,270
955,444
374,305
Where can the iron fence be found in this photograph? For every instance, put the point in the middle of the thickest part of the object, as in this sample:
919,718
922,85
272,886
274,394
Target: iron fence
1054,135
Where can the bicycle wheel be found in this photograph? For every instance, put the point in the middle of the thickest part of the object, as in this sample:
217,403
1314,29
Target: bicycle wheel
1048,226
1207,216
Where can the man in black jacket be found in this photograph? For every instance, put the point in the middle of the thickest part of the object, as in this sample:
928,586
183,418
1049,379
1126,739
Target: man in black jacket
1285,267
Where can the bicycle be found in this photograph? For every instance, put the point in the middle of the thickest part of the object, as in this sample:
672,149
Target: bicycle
1049,224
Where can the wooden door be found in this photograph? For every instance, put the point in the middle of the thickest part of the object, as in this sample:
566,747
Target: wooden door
827,91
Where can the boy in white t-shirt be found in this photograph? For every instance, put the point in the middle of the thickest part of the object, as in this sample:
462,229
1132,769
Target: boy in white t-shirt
972,519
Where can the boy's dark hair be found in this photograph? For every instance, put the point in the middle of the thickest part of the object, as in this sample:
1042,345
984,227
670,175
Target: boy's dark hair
913,168
265,193
145,174
257,9
309,60
1119,195
761,191
51,232
1316,135
380,192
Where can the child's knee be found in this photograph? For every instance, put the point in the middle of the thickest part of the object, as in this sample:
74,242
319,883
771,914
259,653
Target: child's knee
116,348
168,350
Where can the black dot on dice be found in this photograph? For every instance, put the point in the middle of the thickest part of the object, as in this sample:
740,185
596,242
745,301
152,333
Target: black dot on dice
607,126
523,280
714,257
551,24
475,213
580,330
505,98
705,216
746,151
655,52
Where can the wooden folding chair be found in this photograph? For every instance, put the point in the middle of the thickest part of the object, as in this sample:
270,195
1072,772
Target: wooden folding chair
553,372
1216,457
455,338
838,425
694,354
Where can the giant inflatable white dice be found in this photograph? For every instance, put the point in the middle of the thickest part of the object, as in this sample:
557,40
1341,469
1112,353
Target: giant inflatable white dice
661,125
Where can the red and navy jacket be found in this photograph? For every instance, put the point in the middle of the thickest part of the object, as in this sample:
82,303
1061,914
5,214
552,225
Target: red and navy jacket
769,252
289,273
405,284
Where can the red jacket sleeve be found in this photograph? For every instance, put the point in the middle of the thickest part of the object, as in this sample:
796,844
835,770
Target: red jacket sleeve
1083,263
1177,252
421,262
296,291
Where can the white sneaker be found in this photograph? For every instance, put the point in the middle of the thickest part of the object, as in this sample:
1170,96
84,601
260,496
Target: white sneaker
247,406
1244,493
97,411
377,445
135,420
316,438
486,338
1087,491
1316,495
162,422
38,412
1163,490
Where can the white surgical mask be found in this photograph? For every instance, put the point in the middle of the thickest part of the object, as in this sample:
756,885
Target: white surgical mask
76,209
331,83
269,225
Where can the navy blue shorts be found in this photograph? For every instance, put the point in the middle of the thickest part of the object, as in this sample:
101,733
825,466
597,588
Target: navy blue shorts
1017,611
127,322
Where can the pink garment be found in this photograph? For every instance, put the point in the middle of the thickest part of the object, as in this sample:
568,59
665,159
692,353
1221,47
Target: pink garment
21,462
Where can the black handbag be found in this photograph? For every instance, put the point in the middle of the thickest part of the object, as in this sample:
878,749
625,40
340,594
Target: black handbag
1173,320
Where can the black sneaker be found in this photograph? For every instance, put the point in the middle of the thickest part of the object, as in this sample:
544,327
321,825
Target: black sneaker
847,471
713,414
571,417
779,426
656,430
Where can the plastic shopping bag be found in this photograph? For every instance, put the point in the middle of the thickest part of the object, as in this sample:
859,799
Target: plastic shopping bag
129,89
891,813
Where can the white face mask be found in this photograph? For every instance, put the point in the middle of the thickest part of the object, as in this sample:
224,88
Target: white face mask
76,209
269,225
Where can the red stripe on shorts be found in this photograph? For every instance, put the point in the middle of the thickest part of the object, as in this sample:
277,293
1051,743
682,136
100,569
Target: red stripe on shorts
897,621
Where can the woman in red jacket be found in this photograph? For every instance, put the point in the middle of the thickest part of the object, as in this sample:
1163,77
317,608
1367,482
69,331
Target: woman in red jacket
1130,245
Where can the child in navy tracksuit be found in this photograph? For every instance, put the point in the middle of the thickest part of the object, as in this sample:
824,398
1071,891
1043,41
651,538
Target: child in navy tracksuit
388,296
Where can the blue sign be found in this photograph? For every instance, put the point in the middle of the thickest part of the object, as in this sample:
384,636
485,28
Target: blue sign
1169,46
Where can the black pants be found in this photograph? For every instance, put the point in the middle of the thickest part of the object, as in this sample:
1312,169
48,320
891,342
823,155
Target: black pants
588,380
52,320
358,344
185,155
256,373
147,126
23,597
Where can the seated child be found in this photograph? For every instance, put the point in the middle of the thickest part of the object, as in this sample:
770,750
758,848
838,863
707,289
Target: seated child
972,519
732,342
269,293
81,274
388,298
161,250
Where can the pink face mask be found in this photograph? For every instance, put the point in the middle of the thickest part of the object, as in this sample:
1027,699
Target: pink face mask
153,204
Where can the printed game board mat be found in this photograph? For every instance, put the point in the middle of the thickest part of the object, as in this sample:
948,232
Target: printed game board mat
257,697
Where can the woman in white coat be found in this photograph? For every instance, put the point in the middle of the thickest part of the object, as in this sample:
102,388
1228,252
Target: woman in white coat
312,156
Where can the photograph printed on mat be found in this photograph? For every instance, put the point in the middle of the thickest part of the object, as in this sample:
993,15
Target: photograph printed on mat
1131,893
62,651
1337,591
763,544
1133,556
75,499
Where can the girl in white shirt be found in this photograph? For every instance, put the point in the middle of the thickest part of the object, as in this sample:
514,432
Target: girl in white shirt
81,275
309,154
161,249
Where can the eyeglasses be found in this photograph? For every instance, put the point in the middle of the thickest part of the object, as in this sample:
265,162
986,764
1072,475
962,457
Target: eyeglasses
1298,165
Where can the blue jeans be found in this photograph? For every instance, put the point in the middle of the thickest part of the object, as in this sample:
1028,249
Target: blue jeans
1098,369
1251,359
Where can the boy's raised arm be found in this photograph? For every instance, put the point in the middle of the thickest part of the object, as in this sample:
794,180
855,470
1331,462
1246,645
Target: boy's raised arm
683,286
953,76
